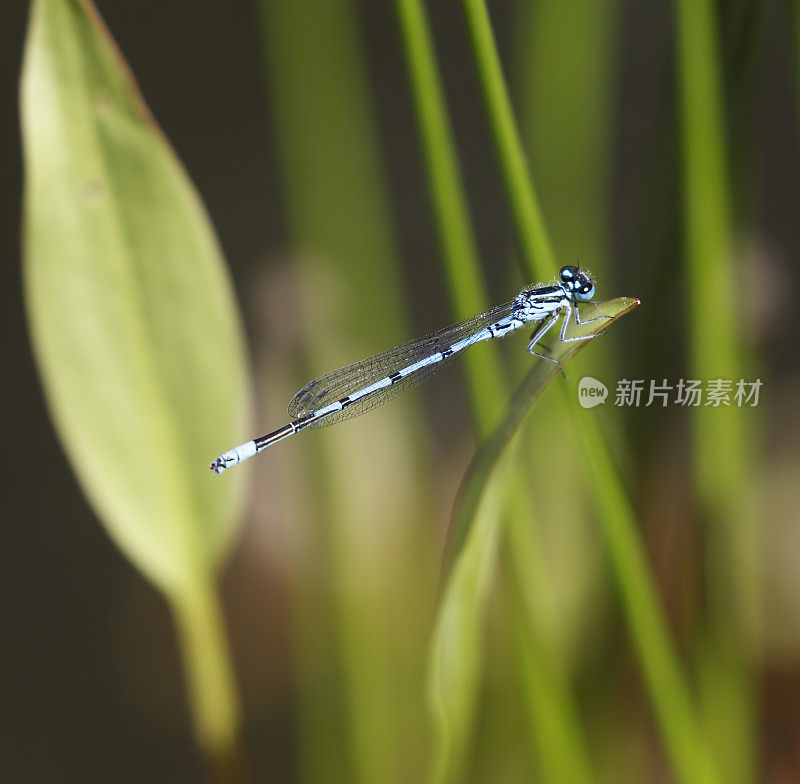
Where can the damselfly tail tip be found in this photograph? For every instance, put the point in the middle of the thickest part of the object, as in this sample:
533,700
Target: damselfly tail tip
218,465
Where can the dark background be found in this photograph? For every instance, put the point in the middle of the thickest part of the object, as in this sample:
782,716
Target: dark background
84,637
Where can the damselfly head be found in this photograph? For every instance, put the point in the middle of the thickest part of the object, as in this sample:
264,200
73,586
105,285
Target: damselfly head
577,282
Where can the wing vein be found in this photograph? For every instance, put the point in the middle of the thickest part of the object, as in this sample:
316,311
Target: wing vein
350,379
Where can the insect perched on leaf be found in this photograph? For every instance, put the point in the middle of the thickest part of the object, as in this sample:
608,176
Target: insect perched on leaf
364,385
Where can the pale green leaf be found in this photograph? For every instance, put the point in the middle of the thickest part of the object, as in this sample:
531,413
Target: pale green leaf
133,322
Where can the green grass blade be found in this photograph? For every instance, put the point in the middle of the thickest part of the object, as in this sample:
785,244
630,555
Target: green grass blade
460,664
672,705
564,77
672,701
706,184
538,378
557,733
471,544
510,151
134,328
723,475
457,643
351,304
555,728
564,58
459,250
328,145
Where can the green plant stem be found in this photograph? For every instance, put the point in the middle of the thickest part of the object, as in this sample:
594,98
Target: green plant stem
557,730
459,253
564,62
669,692
706,186
657,657
554,716
210,680
722,473
511,153
458,635
339,218
564,57
328,144
457,642
566,121
457,638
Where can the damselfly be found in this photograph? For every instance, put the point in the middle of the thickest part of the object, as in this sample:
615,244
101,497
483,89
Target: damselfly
364,385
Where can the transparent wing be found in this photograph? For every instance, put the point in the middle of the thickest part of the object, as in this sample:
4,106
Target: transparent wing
340,383
368,402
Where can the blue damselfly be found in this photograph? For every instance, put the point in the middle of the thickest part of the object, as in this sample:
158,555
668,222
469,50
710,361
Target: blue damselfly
364,385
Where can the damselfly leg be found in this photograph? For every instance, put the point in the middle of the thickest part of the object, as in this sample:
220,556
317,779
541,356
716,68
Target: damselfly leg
574,313
539,333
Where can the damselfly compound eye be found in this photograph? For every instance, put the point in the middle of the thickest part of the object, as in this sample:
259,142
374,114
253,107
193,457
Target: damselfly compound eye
569,273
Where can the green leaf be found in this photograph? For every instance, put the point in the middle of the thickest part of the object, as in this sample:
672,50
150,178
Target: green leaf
471,550
133,322
476,479
134,326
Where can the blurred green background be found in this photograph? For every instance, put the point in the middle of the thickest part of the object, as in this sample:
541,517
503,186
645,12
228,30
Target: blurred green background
297,124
